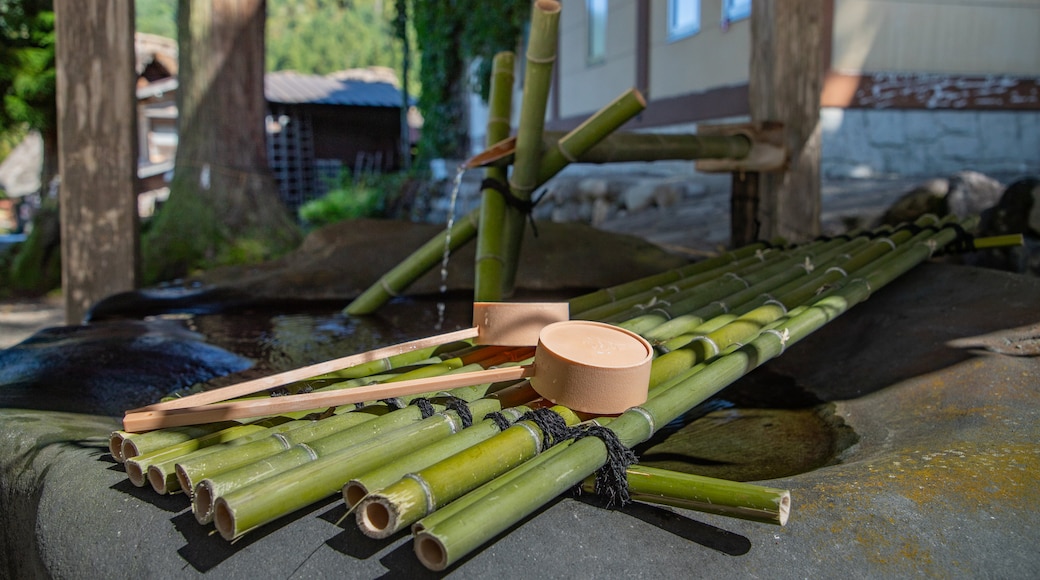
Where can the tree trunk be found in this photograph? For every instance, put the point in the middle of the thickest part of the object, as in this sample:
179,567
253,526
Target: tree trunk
785,83
97,153
224,205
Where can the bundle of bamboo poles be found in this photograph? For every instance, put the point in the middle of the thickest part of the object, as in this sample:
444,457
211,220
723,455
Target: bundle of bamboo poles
463,466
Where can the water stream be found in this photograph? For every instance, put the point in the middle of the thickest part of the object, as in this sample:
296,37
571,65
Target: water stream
452,202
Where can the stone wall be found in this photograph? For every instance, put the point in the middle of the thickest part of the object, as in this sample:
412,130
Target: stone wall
866,143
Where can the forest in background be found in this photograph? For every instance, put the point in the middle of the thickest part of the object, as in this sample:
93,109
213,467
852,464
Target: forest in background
309,36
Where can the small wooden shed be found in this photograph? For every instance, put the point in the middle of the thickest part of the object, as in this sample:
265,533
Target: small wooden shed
321,125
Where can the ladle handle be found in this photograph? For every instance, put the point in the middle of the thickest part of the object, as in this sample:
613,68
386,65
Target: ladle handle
136,421
299,374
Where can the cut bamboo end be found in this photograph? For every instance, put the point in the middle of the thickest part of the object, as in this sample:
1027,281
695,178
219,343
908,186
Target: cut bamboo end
784,511
377,517
129,448
135,473
431,552
184,479
115,445
157,477
353,492
224,519
202,502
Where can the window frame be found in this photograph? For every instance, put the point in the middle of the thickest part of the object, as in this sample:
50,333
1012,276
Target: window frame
686,30
596,15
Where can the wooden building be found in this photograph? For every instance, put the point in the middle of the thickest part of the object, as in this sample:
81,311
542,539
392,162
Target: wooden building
910,87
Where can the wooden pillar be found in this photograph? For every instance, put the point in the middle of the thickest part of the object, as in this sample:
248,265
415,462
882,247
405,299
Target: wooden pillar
97,151
784,85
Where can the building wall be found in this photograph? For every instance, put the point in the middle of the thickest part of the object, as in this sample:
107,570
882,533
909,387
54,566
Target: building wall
587,87
711,58
966,37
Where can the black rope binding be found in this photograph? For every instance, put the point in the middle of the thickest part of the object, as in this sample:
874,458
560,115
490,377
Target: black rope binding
461,407
499,420
554,428
964,242
426,409
611,479
524,206
394,403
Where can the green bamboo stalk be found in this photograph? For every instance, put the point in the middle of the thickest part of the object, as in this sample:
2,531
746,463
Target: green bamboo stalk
745,501
210,489
632,147
761,277
245,509
164,476
137,467
124,445
416,495
414,266
541,54
452,539
624,309
489,260
593,130
581,305
357,488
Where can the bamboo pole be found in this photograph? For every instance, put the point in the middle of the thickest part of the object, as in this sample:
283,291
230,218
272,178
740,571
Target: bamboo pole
541,55
441,545
402,503
326,471
415,265
124,445
629,147
357,488
580,305
745,501
137,467
489,259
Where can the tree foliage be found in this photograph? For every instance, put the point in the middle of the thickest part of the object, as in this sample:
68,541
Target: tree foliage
451,34
27,73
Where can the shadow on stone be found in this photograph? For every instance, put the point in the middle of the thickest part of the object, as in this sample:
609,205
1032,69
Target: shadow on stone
684,527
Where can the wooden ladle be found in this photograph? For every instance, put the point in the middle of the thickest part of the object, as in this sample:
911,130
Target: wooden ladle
587,366
494,323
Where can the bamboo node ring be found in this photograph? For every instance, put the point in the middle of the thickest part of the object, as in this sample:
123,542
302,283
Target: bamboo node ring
283,440
544,60
537,438
566,154
646,415
776,302
839,270
886,241
784,336
430,505
739,279
714,346
451,422
723,306
310,451
386,287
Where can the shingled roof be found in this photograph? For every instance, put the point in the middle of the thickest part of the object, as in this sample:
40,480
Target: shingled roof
363,88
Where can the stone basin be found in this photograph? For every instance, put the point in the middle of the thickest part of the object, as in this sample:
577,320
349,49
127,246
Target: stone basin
943,480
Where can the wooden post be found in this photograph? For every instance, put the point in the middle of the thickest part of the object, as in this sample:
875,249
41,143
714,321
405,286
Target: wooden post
97,151
784,85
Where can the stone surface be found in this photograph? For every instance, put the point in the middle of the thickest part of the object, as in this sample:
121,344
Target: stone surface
943,481
107,367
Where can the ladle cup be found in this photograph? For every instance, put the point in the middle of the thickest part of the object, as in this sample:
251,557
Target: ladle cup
587,366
